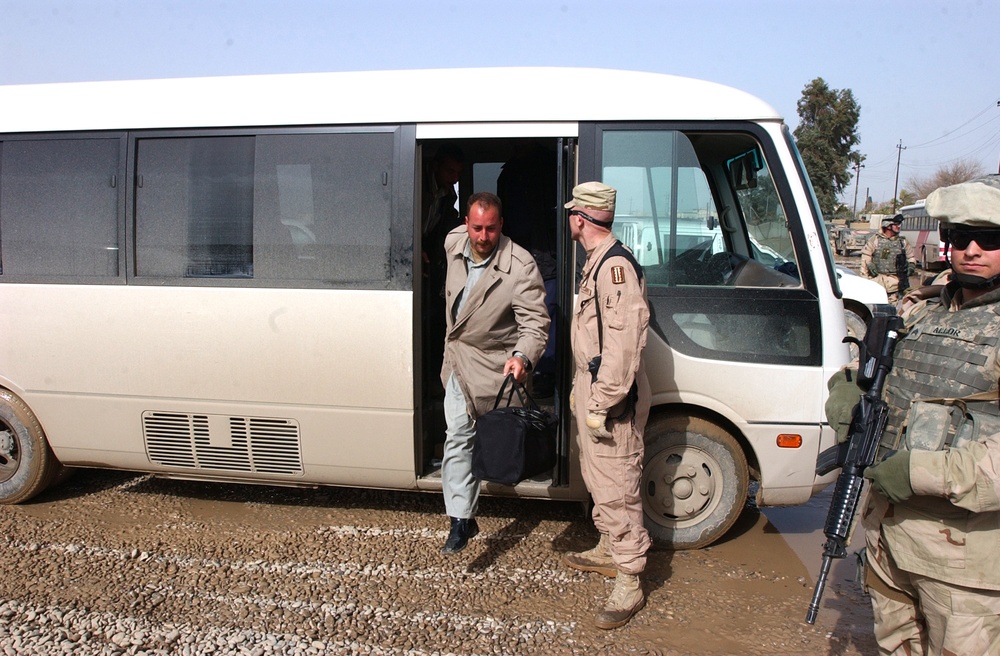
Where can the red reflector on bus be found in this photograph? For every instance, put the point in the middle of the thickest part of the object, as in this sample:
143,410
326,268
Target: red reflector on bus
789,441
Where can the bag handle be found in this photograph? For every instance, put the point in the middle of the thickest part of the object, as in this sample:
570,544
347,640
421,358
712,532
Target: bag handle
522,394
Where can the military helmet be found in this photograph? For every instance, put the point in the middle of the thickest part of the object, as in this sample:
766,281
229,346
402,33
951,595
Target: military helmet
892,220
968,207
975,203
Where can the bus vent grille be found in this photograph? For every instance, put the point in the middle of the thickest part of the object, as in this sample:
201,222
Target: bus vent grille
241,444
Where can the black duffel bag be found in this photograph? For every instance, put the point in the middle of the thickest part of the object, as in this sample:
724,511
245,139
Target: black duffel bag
514,443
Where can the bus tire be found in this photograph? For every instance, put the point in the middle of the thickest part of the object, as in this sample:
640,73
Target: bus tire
925,262
27,465
694,481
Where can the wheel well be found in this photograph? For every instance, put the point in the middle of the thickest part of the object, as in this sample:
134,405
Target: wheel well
859,309
682,410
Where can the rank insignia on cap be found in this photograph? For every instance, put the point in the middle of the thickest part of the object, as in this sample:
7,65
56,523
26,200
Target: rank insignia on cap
618,274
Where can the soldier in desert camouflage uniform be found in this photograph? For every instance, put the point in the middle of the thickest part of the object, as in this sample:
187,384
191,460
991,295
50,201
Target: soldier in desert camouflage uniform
932,520
878,257
610,399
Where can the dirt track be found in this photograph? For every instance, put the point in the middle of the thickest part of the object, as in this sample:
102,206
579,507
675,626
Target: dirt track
114,563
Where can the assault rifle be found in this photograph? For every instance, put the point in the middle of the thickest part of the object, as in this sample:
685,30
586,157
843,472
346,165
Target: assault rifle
859,450
903,273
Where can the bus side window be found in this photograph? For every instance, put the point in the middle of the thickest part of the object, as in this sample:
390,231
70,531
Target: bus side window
280,207
59,202
194,207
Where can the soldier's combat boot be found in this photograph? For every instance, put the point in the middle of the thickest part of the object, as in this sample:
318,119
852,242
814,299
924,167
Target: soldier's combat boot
597,559
626,600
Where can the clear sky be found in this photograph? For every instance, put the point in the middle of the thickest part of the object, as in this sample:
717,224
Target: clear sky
925,72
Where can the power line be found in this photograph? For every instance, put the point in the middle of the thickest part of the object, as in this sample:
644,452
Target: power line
958,136
990,145
986,109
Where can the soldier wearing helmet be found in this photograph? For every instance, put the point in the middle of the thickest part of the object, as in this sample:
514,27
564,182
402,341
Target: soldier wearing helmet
887,257
932,519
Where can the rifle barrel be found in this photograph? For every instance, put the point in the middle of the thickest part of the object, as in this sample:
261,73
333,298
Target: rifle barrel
824,572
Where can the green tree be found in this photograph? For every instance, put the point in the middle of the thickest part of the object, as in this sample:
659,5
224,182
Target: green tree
826,136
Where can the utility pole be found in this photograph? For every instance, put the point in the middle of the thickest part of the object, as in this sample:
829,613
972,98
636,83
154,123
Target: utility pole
857,178
899,151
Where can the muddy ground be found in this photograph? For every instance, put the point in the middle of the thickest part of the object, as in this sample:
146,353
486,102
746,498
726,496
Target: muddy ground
116,563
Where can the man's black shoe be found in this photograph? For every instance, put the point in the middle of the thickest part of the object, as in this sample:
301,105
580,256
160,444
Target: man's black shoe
462,530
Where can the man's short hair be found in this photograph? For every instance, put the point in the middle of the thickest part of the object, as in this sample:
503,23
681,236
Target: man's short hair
486,199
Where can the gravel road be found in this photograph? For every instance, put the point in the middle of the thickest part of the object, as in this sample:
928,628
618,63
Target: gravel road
119,563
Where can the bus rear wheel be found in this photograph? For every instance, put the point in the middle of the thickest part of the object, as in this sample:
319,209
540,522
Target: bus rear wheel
694,481
26,462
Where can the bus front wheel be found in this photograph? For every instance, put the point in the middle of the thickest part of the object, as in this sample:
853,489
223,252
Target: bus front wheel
694,481
26,462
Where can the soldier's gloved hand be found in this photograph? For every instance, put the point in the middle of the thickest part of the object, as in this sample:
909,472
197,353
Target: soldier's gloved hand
844,395
891,477
596,425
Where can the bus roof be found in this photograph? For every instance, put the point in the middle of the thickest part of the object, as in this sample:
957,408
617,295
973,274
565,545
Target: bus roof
915,208
408,96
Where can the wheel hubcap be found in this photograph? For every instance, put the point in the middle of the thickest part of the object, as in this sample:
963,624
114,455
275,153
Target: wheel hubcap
8,455
682,486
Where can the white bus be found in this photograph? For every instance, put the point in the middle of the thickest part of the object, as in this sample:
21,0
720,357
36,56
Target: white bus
922,232
221,278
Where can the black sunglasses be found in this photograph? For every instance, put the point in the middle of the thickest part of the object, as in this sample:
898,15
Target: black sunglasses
589,218
988,240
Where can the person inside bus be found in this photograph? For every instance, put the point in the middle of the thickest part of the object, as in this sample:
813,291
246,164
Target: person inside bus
496,324
881,254
440,215
527,189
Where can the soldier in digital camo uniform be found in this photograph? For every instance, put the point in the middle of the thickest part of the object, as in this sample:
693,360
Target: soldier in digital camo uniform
932,519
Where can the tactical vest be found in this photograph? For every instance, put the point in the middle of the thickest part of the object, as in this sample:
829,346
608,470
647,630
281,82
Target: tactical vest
884,256
945,354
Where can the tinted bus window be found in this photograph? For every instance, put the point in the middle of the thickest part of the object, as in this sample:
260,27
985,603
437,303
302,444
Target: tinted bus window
322,208
306,207
59,208
194,207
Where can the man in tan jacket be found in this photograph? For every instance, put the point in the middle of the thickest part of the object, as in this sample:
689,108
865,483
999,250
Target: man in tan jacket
610,399
497,324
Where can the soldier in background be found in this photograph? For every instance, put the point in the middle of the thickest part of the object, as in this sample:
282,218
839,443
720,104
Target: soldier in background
932,519
880,257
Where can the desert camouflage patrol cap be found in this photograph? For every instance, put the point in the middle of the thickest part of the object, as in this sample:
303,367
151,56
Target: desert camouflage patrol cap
974,203
593,196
